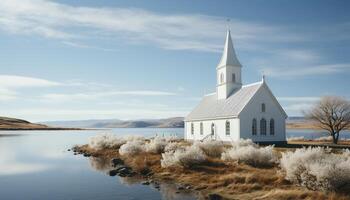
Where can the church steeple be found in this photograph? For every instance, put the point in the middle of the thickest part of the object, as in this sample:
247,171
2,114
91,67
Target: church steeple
229,56
228,71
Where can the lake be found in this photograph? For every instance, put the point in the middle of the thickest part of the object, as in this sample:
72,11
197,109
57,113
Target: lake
37,165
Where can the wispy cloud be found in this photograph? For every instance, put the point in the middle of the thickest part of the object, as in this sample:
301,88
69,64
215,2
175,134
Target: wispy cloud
62,97
299,71
185,31
9,85
11,81
298,99
84,46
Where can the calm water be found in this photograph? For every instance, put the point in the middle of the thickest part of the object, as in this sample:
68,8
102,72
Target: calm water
37,165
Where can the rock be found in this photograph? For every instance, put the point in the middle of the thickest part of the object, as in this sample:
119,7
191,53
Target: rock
117,161
87,155
146,172
215,197
180,187
113,172
157,186
68,149
75,153
145,183
188,187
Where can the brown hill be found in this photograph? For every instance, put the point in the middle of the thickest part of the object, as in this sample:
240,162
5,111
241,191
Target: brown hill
7,123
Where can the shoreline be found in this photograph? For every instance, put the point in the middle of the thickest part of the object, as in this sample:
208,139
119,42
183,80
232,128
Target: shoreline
216,179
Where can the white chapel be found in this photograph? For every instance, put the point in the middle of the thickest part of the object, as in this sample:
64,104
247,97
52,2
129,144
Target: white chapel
237,111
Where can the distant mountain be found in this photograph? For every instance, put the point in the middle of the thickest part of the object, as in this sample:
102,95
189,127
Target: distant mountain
7,123
175,122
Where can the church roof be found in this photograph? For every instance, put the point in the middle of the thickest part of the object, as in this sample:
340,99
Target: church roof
211,108
229,56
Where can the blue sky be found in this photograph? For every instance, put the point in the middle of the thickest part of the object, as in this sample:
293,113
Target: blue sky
65,60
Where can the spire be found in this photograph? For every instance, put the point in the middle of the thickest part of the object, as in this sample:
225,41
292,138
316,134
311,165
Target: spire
229,56
262,77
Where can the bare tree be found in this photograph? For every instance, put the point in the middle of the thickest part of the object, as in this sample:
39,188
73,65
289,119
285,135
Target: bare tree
331,113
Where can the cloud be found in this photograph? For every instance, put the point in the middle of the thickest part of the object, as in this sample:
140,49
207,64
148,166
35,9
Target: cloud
9,84
7,95
62,97
84,46
299,71
298,99
177,31
11,81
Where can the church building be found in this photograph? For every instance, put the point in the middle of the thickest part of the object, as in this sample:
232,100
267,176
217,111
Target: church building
236,111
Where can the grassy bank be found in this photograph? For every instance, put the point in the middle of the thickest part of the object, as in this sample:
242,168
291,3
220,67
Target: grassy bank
211,176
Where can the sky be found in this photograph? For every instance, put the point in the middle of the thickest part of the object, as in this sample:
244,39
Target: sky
75,60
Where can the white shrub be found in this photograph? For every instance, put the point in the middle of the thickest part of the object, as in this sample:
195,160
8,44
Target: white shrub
188,157
317,168
295,138
211,148
172,146
243,143
102,141
156,145
132,147
251,155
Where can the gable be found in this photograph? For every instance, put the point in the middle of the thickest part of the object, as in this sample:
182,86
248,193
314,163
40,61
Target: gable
264,95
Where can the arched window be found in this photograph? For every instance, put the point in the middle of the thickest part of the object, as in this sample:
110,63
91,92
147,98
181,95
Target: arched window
263,107
227,128
263,126
201,128
233,78
272,127
212,129
221,77
254,127
192,128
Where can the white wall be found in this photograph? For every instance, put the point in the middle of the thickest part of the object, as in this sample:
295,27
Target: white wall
220,127
253,110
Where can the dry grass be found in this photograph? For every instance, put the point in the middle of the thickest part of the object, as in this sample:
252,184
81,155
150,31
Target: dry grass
229,179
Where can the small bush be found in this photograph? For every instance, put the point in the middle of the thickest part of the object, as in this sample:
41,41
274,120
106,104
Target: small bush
187,157
156,145
317,168
295,138
243,143
211,148
103,141
172,146
132,147
248,152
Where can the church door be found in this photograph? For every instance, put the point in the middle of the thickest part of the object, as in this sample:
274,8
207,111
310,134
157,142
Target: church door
212,130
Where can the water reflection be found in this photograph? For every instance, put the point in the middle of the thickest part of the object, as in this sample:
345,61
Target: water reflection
167,190
11,165
100,164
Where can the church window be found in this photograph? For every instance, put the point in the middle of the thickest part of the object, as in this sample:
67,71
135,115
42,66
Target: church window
201,128
272,127
233,78
227,128
212,129
263,107
192,128
254,127
263,126
222,78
